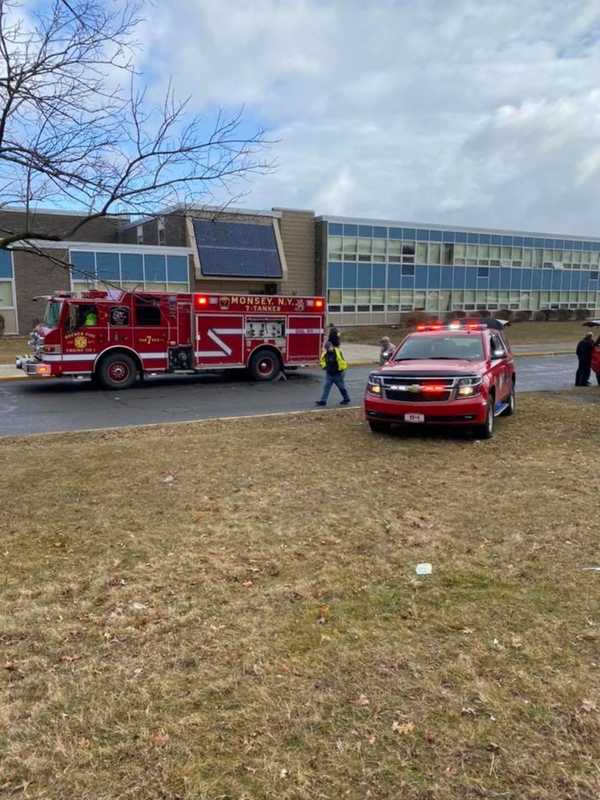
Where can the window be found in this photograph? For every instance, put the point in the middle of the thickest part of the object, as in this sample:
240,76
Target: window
119,316
408,270
147,311
448,254
434,253
483,272
462,346
162,235
81,315
130,270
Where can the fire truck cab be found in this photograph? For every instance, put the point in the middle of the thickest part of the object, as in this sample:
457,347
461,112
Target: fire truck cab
116,336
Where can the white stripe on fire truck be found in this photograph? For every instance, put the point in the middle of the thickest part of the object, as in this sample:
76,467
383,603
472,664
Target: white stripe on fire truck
305,330
93,356
212,335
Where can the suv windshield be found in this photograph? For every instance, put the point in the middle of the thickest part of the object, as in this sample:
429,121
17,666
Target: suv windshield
52,314
463,346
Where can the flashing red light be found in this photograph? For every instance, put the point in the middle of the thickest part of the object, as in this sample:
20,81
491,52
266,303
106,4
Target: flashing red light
421,327
433,388
318,304
201,300
437,326
472,326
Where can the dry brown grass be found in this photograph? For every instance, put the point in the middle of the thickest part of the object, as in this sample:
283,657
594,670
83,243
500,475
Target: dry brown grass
230,610
11,347
518,333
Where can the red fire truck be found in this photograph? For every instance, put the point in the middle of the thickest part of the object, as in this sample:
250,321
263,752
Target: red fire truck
115,336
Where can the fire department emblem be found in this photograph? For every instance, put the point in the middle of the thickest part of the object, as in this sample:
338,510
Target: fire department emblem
224,303
299,304
80,342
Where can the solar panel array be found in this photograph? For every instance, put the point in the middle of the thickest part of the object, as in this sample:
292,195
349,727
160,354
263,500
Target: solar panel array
237,249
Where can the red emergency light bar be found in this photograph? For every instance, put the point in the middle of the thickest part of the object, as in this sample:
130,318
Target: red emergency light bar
456,325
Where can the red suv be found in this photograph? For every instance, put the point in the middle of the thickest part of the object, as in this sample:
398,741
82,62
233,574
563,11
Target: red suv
460,373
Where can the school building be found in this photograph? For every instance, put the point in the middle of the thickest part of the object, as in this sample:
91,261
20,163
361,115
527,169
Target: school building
371,271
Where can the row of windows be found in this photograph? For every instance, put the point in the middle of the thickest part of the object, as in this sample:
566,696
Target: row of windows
377,300
427,235
353,249
342,275
130,269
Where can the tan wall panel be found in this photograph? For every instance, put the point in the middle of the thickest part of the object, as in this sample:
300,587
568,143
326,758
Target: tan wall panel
297,229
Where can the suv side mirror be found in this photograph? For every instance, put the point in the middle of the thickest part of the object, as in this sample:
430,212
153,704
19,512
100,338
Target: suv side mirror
498,354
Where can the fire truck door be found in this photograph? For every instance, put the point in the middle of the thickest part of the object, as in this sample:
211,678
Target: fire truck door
219,340
304,337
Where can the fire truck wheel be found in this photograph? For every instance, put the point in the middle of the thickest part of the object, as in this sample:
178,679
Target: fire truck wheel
116,371
264,365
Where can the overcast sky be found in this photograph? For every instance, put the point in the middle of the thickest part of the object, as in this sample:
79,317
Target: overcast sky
480,112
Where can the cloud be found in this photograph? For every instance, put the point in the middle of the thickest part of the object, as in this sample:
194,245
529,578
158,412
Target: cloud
481,112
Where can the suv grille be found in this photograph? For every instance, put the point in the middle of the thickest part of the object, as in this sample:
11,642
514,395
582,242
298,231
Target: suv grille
413,388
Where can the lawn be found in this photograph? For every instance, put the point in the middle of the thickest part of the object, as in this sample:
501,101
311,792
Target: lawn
231,610
12,346
518,333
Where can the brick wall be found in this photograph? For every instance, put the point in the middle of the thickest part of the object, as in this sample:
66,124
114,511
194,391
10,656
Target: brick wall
98,230
35,275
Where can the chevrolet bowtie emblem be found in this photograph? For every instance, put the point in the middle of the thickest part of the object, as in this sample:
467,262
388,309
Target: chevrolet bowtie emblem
414,388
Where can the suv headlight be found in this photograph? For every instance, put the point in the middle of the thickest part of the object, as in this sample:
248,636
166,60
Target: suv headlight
374,384
467,387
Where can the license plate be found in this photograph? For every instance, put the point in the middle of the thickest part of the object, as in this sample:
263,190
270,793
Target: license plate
414,418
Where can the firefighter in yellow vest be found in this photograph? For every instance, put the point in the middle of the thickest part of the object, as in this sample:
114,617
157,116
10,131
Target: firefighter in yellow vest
334,364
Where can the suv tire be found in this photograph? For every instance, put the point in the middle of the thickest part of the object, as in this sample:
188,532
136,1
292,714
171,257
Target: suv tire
486,431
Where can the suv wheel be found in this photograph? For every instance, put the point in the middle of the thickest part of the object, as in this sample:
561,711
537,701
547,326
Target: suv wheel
512,404
486,431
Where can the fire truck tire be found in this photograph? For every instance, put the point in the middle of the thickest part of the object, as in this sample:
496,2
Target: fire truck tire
379,427
265,365
486,431
116,371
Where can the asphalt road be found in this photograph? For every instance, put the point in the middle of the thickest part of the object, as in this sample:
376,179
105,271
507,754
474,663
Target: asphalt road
65,405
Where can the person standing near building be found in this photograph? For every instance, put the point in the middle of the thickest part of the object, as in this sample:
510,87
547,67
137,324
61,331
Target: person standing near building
334,364
584,358
387,348
596,359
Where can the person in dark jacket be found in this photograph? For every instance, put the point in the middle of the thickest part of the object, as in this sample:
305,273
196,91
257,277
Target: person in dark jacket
584,357
334,364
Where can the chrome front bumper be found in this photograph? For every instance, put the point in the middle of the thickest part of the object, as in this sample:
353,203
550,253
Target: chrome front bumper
31,366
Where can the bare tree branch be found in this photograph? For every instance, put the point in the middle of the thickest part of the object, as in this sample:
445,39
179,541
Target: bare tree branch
76,126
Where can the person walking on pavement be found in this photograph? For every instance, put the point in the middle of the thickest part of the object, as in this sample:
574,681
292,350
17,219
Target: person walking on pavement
584,357
334,364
